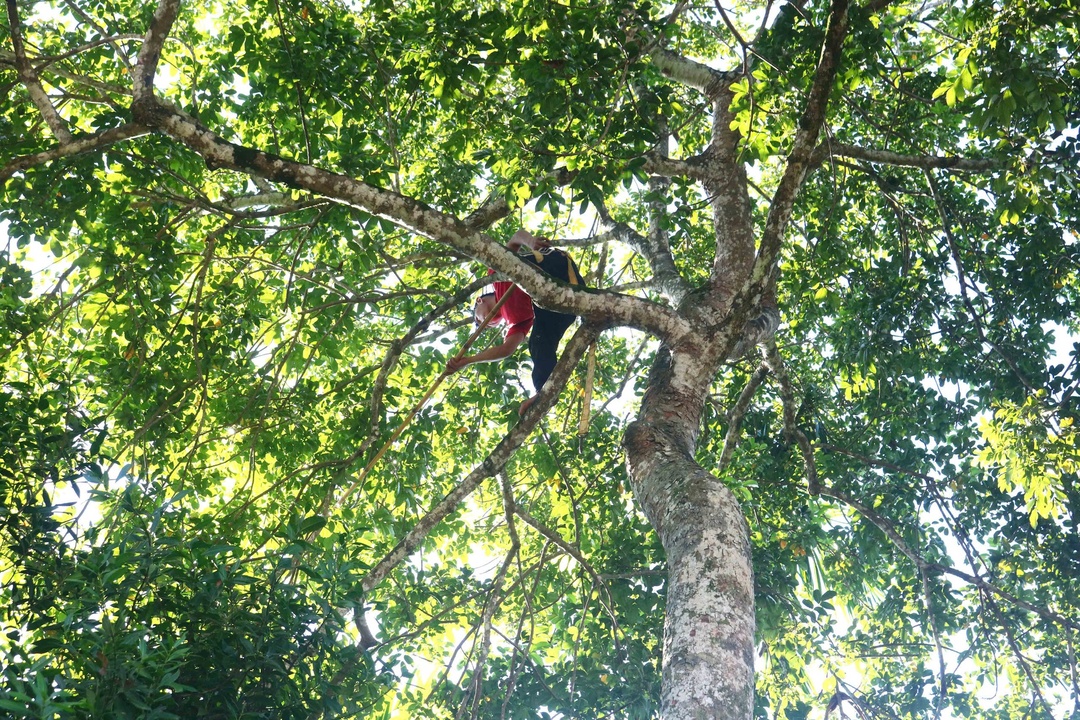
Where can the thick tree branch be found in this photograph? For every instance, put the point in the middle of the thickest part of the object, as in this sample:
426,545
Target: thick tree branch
598,239
28,77
695,168
690,72
150,53
415,216
887,157
545,400
757,284
73,147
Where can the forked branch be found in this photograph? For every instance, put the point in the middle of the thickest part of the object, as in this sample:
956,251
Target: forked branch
798,162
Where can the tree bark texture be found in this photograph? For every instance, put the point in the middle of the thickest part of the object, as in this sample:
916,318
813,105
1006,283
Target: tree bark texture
708,660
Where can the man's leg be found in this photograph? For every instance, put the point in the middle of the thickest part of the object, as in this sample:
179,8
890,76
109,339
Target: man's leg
548,329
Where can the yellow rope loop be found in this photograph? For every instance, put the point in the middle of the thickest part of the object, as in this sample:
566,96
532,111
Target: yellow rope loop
590,373
586,408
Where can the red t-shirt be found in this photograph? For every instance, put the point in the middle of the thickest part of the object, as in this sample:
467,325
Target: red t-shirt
517,312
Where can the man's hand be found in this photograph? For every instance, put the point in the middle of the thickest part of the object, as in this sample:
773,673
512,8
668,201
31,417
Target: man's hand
455,364
526,238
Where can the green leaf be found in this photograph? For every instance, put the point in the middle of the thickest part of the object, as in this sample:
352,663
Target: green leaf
312,525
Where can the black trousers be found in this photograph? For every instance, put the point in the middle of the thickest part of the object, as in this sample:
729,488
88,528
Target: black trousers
549,327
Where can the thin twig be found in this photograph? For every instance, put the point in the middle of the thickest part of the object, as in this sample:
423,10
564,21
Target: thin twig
937,643
735,417
791,431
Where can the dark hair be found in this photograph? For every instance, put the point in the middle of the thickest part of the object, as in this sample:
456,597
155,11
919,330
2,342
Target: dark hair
482,296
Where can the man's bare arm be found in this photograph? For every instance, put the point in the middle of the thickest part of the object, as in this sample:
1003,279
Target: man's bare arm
492,354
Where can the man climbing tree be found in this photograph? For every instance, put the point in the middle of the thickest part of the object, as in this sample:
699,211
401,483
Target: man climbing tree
520,314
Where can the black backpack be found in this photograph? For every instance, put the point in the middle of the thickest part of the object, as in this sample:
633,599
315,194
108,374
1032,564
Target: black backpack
556,263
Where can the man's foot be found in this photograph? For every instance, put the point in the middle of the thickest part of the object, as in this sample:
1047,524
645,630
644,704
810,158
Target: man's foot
525,405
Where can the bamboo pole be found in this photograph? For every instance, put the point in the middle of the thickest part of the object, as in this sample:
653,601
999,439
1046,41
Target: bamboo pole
427,396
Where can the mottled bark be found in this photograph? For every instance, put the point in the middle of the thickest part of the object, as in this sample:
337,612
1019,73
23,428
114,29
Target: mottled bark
709,627
28,77
150,53
656,246
708,661
666,277
73,147
694,168
690,72
759,286
734,253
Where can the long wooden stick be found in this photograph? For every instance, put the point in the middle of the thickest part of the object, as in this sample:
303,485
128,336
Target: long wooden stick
427,396
586,407
583,423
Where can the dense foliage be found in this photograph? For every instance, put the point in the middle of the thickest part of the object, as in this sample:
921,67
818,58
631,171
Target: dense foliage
195,365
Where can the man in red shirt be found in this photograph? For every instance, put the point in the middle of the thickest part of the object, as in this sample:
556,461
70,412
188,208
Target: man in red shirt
520,315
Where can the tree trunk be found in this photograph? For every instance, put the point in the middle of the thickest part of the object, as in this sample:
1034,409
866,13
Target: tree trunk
708,660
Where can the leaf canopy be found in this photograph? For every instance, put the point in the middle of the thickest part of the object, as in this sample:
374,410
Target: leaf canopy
196,364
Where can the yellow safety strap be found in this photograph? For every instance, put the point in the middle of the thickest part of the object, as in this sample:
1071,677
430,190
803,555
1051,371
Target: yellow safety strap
570,270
